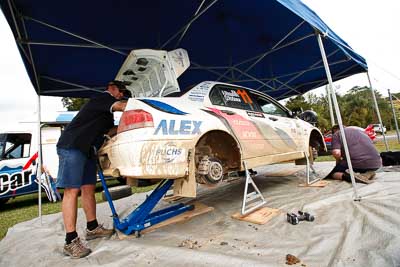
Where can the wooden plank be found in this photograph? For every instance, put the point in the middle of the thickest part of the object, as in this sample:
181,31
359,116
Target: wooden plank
199,208
260,216
321,183
171,198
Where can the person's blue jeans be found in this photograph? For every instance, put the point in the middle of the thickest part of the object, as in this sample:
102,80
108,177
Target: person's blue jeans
75,169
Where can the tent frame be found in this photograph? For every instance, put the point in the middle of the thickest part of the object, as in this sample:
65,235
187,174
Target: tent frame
232,69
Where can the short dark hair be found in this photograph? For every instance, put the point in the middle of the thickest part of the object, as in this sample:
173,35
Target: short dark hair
120,84
121,87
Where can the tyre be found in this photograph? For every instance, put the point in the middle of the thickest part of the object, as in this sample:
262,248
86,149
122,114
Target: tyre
3,201
121,180
118,192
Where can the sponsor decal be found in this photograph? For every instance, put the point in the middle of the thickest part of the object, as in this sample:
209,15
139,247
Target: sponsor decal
198,93
246,98
231,96
169,152
255,114
163,106
11,181
183,127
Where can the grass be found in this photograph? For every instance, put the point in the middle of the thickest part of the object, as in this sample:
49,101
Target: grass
380,146
24,208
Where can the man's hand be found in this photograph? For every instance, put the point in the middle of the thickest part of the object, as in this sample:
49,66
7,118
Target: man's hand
119,106
336,153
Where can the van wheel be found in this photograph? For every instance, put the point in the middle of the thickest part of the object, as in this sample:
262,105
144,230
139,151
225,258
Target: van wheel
122,180
3,201
118,192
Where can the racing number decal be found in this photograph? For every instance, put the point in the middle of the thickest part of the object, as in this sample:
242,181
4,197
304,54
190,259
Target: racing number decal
245,97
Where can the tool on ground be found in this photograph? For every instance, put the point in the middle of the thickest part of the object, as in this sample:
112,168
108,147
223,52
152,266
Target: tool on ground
142,217
296,218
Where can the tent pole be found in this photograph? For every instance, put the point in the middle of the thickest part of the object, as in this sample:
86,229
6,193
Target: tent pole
394,116
39,160
377,111
338,116
328,95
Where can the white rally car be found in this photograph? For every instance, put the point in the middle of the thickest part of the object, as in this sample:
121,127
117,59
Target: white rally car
202,135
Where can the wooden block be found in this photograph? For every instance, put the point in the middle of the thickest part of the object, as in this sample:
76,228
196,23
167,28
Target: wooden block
260,216
172,198
321,183
199,208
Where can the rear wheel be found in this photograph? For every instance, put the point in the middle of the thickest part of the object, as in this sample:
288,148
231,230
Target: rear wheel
209,170
118,192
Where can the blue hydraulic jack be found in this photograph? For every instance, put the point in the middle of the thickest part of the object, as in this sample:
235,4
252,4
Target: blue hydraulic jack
142,218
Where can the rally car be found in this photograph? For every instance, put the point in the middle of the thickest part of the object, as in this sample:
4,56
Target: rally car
204,134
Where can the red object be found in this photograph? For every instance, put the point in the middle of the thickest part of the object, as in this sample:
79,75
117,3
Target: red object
368,131
28,164
134,119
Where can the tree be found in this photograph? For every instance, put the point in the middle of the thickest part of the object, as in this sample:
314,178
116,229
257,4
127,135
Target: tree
73,104
356,107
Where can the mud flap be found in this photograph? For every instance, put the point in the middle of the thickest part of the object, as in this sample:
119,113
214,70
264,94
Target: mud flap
186,187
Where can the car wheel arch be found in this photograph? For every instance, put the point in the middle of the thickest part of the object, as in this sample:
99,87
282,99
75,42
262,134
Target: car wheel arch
316,141
228,151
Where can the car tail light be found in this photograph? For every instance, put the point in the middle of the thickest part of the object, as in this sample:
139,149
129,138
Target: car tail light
134,119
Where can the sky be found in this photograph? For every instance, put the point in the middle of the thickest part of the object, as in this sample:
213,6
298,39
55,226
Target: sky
369,27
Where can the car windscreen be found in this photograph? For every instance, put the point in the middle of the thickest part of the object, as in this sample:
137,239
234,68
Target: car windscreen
15,145
3,139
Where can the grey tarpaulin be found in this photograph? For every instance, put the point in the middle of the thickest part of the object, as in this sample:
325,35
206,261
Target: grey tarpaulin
344,233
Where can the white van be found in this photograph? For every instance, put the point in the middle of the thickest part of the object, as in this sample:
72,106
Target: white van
18,156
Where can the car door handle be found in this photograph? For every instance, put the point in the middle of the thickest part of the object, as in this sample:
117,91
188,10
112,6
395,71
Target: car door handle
272,119
228,112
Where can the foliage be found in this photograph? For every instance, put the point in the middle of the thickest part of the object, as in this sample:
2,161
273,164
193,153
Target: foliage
356,108
73,104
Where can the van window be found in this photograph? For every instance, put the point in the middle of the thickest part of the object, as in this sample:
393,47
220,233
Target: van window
13,146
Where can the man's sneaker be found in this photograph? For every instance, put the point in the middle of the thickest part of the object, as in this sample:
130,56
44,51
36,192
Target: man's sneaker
370,175
98,232
361,178
76,249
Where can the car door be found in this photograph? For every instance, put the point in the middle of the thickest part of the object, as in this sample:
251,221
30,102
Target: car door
232,105
276,124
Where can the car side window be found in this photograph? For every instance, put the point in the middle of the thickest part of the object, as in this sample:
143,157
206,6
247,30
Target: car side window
216,98
270,108
232,97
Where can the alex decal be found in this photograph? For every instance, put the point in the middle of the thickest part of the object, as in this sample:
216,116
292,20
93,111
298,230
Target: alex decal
11,182
184,127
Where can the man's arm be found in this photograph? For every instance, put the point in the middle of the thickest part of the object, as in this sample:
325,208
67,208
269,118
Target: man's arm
337,154
118,106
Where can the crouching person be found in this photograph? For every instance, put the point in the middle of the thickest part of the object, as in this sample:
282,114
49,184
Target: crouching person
365,159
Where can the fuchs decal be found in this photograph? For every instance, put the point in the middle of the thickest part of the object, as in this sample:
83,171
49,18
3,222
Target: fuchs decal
169,152
183,127
10,181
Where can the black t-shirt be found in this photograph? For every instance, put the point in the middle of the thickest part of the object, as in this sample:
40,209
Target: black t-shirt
89,125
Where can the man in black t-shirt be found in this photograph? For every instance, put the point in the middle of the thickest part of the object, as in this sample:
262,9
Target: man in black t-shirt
77,164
